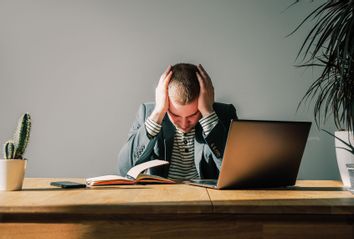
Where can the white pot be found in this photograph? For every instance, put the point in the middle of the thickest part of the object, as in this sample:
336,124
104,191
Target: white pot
12,173
343,156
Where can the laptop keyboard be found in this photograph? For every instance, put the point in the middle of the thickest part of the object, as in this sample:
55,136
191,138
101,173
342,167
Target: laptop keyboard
211,182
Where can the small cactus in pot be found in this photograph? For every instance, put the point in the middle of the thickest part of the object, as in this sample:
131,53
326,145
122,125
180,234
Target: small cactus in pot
13,166
15,149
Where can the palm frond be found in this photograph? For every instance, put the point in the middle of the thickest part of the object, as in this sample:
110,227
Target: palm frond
330,45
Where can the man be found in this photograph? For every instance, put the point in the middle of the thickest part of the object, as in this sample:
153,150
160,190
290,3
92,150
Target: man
184,126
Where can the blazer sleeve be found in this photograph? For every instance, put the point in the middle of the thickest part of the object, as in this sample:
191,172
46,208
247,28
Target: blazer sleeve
139,147
216,139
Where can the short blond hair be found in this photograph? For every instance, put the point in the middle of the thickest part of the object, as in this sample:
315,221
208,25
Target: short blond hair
184,85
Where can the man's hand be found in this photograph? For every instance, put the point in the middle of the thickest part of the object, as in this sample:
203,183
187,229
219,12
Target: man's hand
206,95
161,97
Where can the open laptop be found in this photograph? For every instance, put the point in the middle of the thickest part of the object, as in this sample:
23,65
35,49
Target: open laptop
260,154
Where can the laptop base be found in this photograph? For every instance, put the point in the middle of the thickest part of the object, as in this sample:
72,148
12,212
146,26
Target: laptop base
209,183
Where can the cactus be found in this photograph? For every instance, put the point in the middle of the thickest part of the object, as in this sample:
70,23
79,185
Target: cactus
9,150
22,135
14,149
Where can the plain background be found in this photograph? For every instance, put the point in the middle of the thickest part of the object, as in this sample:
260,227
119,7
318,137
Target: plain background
81,68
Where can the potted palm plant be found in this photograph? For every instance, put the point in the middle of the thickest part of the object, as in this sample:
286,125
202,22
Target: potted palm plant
329,46
12,167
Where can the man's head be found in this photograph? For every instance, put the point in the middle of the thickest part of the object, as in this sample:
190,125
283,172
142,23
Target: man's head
184,86
183,92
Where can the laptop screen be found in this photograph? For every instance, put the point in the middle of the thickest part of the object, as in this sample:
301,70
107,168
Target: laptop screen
263,153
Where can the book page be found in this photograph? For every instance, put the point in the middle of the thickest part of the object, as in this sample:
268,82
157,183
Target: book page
105,178
147,178
136,170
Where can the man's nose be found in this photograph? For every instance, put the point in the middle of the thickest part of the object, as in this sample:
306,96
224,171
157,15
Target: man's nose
184,122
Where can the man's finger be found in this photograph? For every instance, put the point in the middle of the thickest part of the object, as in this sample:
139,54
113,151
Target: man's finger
165,73
206,76
201,81
167,79
168,69
202,71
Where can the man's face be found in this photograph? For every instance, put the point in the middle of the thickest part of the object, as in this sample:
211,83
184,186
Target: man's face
184,117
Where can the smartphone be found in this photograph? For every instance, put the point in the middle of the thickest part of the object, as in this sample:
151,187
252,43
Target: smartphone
68,184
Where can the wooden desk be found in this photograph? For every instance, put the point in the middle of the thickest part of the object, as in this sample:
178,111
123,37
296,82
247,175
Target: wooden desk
314,209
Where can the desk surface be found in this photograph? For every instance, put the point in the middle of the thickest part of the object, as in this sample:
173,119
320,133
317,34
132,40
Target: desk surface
308,197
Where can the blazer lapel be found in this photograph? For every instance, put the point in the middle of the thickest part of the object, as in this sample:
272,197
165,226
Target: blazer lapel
198,148
168,134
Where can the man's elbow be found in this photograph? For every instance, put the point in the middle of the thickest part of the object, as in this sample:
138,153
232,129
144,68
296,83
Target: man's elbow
123,163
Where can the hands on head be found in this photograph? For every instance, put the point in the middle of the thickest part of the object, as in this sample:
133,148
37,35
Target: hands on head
161,96
206,94
205,99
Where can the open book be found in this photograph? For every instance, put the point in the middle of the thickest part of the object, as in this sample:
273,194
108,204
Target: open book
134,176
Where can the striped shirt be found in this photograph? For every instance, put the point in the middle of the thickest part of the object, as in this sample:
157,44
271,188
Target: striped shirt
182,164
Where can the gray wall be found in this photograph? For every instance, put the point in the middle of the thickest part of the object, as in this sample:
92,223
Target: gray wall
81,68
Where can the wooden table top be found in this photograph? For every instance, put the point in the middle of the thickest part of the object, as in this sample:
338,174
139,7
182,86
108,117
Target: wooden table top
308,197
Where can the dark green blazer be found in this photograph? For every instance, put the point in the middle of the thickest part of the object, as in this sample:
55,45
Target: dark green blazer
208,151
